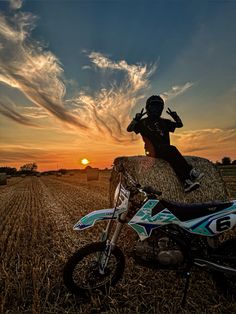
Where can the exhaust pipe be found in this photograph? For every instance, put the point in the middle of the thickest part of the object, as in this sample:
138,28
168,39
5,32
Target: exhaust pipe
213,266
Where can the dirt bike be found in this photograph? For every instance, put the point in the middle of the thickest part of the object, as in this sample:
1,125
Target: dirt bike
172,236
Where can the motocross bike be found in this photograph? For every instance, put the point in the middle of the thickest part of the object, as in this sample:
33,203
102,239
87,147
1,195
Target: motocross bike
182,236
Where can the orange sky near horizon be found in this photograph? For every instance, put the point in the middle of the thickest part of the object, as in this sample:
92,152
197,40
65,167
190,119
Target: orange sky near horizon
103,155
57,145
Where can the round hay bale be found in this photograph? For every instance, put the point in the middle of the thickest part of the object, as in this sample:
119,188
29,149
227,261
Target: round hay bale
3,178
92,174
159,174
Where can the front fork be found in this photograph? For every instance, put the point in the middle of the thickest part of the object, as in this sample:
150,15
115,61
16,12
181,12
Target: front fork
103,257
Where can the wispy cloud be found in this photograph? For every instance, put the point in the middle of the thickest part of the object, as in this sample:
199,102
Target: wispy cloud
38,74
10,113
106,111
213,141
15,4
176,90
137,75
109,109
35,113
35,71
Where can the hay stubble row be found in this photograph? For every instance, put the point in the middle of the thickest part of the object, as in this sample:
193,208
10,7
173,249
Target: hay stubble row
37,215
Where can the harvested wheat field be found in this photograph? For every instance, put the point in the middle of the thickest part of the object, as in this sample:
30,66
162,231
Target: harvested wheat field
37,216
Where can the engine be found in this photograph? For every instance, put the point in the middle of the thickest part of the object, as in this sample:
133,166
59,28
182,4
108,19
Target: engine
162,250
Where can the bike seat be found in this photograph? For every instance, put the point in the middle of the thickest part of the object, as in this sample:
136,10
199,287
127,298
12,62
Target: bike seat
186,212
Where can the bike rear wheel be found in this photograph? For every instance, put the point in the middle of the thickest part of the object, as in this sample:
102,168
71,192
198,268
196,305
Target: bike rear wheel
82,273
226,284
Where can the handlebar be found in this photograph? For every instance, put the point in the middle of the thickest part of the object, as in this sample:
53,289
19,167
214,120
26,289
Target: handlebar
137,186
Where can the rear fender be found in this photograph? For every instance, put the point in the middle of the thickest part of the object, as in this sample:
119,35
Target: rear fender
89,220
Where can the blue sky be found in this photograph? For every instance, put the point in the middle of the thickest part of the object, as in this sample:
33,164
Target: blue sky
184,50
191,40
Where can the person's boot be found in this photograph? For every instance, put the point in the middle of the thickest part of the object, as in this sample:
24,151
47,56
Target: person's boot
190,186
195,174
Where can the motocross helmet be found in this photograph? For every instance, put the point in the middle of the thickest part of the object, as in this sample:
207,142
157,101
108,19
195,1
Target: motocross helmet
154,106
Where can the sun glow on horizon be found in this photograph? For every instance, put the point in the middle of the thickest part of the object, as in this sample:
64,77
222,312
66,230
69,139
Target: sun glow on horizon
85,161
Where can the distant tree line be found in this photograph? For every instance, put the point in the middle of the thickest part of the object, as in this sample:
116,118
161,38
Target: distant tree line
30,169
27,169
226,161
8,170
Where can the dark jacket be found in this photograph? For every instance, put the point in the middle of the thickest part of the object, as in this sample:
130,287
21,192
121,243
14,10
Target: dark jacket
154,133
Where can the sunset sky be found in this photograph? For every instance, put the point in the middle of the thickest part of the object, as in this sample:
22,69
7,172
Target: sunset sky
74,73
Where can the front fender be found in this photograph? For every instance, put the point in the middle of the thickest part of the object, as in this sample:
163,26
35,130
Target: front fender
97,215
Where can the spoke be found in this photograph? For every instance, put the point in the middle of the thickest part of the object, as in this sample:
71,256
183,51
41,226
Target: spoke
87,275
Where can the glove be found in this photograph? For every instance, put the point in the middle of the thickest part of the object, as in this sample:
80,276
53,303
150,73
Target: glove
177,119
173,114
138,116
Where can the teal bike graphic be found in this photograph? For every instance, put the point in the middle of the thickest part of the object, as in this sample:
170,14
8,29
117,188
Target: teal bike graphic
172,236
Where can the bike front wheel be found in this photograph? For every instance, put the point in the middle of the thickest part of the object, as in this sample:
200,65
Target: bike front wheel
82,273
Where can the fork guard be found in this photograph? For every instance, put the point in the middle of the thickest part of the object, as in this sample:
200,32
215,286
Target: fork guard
89,220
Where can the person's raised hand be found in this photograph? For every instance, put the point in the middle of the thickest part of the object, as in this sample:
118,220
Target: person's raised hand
139,115
173,114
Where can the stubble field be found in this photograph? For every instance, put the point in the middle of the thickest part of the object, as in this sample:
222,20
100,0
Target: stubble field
37,216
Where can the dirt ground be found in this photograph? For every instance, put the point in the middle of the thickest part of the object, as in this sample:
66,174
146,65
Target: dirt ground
37,216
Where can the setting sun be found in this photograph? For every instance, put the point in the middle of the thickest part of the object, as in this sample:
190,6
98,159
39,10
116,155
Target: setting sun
85,161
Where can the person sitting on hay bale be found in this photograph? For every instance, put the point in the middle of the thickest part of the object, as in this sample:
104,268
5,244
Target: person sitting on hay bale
155,133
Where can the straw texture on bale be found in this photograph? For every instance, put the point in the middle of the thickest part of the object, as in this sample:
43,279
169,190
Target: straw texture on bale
3,178
159,174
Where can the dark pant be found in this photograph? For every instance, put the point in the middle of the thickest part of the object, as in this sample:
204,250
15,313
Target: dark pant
171,154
